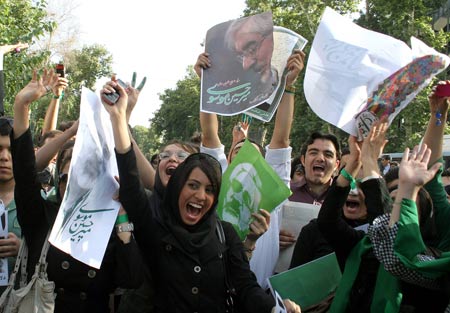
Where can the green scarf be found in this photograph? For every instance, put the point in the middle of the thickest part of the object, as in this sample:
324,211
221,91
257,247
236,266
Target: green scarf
386,297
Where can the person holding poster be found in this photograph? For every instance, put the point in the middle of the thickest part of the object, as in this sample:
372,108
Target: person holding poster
195,260
78,287
278,155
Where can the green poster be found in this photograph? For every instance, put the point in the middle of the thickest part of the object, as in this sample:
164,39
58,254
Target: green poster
310,283
249,184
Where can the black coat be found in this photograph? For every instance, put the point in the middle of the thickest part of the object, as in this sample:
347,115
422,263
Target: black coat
183,281
79,287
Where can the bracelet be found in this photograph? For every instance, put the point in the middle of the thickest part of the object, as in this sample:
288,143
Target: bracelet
122,219
56,97
290,89
348,177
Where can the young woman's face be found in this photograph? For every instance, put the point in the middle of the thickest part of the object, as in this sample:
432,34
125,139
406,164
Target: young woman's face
196,197
172,156
355,207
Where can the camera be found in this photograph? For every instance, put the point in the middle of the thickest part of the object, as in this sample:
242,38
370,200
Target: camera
111,98
60,69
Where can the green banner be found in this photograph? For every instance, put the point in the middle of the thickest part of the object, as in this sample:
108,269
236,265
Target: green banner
249,184
310,283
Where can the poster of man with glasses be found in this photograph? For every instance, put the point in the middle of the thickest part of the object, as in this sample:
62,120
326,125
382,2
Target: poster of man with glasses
248,57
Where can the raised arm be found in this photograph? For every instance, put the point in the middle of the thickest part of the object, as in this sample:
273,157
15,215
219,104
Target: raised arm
413,174
48,151
285,112
118,116
57,85
146,170
35,89
434,134
208,121
4,50
376,194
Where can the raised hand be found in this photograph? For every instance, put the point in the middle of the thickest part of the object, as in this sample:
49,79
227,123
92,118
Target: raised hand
414,170
438,105
10,48
36,88
133,94
203,62
120,107
57,84
295,65
373,146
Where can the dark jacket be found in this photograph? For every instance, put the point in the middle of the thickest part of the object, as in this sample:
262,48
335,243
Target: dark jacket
184,281
79,287
310,245
343,238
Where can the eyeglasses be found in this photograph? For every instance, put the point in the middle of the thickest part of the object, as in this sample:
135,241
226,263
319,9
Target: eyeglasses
180,155
250,50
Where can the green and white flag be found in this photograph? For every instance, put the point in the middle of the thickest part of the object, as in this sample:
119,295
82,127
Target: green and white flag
249,184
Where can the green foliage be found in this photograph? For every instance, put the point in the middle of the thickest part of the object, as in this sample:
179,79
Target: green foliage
178,116
22,21
147,140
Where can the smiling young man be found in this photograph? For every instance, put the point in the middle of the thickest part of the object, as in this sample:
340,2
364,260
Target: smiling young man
320,156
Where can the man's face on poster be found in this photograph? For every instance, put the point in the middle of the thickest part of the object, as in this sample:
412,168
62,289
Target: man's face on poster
254,51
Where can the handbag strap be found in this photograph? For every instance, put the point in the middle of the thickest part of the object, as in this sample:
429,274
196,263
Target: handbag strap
22,255
230,289
41,266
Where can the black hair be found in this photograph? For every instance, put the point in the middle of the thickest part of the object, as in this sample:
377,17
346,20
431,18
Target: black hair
425,208
318,135
6,126
154,157
260,148
345,151
296,161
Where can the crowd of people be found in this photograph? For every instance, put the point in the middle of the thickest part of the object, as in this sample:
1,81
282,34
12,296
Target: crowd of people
169,251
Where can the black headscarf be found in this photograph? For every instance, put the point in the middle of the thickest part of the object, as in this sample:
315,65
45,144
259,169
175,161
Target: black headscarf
192,237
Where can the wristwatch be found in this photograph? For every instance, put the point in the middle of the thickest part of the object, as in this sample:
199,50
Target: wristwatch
124,227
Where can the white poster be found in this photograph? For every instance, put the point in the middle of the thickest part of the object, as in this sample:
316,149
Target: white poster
88,212
348,65
295,215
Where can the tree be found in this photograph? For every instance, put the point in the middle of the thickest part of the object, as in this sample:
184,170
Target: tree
147,140
22,21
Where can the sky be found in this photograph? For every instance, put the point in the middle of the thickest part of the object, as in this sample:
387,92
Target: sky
157,39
